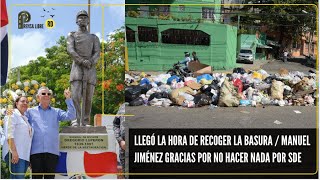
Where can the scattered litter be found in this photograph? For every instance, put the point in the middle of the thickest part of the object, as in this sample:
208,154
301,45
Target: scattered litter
281,103
277,122
245,112
245,102
253,103
297,112
212,107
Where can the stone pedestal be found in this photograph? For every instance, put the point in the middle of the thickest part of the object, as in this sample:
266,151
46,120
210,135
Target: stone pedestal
87,152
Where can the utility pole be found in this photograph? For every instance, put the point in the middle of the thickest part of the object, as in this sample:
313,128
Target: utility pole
89,14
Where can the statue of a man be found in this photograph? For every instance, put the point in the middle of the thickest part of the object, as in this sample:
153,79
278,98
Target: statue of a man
84,48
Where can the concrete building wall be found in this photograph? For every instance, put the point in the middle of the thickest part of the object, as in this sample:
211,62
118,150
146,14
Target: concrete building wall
219,53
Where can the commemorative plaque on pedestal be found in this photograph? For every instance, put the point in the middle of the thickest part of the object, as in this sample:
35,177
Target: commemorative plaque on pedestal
87,152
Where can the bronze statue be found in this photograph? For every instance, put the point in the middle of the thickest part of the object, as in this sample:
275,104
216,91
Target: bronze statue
84,48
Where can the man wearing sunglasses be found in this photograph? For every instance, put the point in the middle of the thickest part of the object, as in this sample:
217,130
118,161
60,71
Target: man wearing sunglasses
45,143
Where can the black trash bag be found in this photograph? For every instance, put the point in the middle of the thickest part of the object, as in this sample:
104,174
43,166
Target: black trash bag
246,86
215,99
208,94
205,88
269,79
165,95
311,71
214,85
287,92
132,93
158,95
208,88
137,102
239,70
202,100
145,88
229,76
155,95
159,83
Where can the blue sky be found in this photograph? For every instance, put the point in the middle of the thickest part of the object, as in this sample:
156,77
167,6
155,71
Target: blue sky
28,44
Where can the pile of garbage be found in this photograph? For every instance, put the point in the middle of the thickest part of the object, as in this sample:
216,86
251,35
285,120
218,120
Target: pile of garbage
241,88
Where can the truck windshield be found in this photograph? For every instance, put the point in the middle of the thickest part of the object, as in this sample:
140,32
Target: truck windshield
246,51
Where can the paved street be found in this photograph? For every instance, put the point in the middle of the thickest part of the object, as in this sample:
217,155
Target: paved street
228,117
274,66
222,117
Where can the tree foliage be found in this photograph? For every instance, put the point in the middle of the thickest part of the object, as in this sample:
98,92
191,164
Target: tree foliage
111,78
54,70
290,20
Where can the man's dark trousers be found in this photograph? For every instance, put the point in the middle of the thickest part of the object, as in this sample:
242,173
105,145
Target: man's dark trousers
43,165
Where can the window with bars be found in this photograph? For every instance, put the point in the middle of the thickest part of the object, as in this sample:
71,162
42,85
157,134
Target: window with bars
147,34
188,37
130,35
207,13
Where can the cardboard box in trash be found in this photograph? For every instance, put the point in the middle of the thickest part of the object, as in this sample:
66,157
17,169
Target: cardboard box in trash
197,68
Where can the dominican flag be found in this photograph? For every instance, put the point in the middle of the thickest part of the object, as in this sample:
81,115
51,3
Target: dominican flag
91,164
4,42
